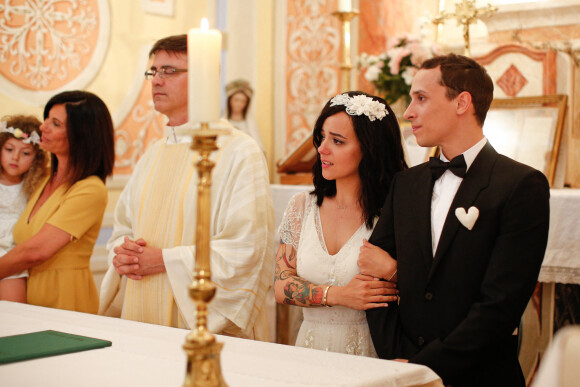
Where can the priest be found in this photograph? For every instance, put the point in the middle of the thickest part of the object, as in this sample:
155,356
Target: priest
152,248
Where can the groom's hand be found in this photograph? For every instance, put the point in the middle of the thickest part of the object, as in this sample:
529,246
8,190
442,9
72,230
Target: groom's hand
376,262
362,293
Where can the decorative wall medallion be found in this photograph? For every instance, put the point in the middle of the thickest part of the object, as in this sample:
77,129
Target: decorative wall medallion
512,81
47,46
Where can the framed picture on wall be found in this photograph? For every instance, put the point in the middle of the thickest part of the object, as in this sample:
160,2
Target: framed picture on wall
528,129
158,7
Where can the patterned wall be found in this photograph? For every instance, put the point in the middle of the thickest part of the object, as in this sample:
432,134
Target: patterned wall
313,52
312,58
139,127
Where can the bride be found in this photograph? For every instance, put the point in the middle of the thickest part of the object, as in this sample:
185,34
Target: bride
358,143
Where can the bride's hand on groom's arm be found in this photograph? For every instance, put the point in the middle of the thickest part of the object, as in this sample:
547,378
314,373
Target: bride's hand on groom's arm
376,262
362,292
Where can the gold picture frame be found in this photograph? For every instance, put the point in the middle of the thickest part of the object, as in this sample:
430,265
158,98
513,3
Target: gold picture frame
528,129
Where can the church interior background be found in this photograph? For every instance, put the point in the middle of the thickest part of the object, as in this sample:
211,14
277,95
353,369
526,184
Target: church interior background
290,51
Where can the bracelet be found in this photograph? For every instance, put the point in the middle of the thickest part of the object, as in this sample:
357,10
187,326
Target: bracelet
324,303
392,276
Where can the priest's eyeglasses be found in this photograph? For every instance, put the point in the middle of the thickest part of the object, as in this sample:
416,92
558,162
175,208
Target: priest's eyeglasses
164,72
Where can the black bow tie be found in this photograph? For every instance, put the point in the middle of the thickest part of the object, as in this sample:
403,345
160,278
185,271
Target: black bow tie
438,166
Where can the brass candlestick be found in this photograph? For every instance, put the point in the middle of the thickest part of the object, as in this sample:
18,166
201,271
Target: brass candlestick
346,65
203,352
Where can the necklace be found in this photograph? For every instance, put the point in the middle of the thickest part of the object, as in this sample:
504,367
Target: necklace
341,207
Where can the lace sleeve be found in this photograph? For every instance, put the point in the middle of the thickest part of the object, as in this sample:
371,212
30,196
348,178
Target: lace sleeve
291,224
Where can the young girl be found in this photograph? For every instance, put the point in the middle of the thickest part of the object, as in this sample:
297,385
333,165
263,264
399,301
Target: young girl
22,167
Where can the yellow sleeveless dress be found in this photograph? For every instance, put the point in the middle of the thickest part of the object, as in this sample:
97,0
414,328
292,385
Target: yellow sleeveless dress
65,281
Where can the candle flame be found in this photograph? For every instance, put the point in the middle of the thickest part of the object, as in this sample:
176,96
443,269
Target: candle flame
204,24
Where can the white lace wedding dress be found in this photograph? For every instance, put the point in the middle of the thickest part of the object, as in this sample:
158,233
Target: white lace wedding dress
335,329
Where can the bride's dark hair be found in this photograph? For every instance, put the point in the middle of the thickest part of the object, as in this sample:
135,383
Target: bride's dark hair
382,157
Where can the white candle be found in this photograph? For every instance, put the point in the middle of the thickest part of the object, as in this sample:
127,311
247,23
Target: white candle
344,5
203,53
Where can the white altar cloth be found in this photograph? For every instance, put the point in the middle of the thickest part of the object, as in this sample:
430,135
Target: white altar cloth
152,355
562,260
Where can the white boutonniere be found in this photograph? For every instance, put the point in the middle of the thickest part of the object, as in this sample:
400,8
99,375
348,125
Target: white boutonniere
468,218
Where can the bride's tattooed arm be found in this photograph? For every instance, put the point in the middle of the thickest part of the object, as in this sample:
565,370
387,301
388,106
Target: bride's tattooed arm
292,289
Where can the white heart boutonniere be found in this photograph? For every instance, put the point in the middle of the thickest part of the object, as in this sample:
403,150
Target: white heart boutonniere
468,218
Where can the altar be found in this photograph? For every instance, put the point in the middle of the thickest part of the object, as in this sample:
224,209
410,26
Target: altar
561,266
561,262
152,355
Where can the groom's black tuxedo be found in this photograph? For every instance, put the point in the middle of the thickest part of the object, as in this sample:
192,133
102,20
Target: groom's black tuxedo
458,310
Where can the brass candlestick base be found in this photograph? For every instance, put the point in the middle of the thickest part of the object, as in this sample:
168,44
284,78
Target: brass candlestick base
203,352
203,363
346,65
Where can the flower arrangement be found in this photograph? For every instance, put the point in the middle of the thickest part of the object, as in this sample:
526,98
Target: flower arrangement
392,71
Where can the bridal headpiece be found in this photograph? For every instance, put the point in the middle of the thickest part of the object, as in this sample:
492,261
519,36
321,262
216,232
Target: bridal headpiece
361,104
32,138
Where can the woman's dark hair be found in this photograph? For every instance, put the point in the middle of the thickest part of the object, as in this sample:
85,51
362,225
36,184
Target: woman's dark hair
382,157
90,133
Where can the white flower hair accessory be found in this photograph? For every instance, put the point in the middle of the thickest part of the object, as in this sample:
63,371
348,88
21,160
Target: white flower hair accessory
361,104
33,138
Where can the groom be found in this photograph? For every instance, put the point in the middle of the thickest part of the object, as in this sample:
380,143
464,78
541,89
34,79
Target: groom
469,237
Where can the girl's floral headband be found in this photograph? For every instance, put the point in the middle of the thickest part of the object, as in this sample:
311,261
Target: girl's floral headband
33,138
361,104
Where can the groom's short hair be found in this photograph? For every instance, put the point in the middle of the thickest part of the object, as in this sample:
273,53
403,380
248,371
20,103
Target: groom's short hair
460,73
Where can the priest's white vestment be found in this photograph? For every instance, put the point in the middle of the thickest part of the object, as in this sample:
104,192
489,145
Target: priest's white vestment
159,203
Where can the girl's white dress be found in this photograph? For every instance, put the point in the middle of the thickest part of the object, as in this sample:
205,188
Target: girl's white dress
12,203
337,328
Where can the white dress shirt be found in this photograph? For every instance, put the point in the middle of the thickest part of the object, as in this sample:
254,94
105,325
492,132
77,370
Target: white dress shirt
444,191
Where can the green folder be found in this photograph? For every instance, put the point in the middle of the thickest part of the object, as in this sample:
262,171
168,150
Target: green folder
43,344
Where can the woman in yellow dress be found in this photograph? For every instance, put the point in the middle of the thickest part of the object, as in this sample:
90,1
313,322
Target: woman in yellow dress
57,231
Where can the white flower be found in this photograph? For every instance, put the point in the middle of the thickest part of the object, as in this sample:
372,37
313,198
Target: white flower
34,138
367,60
359,105
408,75
341,99
372,73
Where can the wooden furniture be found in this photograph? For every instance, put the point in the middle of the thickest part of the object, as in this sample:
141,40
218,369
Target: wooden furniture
296,167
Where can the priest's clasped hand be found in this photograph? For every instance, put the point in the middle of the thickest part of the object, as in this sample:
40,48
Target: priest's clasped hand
135,259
